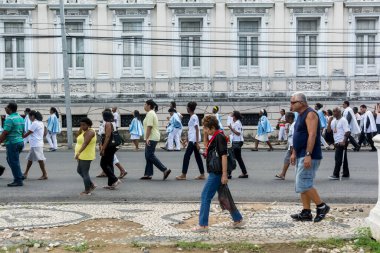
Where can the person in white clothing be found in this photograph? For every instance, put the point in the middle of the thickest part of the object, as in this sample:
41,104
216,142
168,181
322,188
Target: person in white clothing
281,127
27,124
349,115
237,141
367,126
194,138
36,133
377,111
116,117
289,118
173,105
341,130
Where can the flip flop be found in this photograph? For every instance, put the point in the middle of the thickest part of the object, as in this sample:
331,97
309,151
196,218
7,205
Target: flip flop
279,178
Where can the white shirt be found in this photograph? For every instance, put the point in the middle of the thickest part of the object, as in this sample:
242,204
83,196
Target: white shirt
192,135
377,118
354,127
339,127
238,127
290,135
372,125
36,139
116,117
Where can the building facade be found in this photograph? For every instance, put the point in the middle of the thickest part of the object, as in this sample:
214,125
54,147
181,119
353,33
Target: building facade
238,54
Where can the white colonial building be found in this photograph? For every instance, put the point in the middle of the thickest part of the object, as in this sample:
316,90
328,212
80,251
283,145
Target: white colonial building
241,54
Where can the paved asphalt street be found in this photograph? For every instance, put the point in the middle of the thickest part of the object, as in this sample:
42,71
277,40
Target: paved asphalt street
64,184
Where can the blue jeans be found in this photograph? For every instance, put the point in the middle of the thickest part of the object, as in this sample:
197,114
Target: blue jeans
211,187
305,177
191,147
13,159
151,159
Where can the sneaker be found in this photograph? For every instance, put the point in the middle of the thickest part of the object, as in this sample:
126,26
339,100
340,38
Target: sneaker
321,213
333,177
304,215
239,224
15,184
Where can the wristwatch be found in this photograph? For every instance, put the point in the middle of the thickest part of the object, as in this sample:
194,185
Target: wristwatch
308,153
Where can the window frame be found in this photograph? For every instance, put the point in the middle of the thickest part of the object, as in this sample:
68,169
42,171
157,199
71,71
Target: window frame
14,70
307,68
250,68
131,38
73,38
366,68
194,60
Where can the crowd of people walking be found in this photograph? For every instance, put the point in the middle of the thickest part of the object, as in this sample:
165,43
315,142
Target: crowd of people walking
304,129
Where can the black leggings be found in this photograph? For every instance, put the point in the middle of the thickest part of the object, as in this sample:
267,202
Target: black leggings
106,162
236,147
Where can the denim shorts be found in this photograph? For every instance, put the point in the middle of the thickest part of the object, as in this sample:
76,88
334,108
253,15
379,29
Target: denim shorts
305,177
287,156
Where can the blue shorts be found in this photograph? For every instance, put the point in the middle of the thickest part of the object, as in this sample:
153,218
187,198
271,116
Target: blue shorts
305,177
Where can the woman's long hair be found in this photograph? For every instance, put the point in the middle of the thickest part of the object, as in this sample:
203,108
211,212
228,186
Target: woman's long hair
55,111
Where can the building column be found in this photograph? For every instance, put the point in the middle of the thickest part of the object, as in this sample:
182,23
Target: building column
103,63
43,71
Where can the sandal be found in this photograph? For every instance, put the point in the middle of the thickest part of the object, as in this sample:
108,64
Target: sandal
43,178
102,175
123,174
200,177
180,177
279,177
107,187
199,229
85,193
166,174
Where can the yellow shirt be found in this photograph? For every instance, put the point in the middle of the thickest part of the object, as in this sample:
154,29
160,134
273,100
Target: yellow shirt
151,120
88,154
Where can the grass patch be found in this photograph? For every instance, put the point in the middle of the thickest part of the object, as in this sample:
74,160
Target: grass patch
30,243
139,245
80,247
194,245
365,241
231,247
330,243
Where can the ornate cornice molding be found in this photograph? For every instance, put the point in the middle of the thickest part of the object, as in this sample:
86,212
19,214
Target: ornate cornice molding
191,5
17,6
146,6
73,6
308,4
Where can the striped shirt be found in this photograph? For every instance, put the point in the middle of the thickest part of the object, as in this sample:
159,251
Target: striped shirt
14,125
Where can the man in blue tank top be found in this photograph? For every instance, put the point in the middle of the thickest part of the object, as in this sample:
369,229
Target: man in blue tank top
306,156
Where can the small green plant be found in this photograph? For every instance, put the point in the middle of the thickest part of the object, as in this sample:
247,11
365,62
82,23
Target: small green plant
330,243
231,247
194,245
30,243
80,247
138,244
365,241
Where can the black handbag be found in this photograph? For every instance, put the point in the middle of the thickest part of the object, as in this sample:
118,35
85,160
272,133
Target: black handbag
216,161
116,139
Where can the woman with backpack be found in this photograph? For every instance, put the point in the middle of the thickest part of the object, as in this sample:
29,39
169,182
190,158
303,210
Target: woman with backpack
217,174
